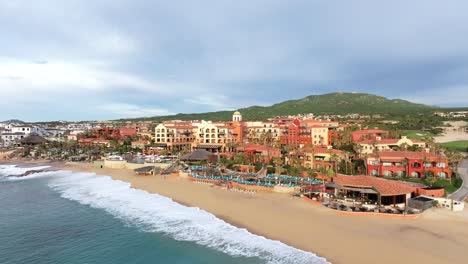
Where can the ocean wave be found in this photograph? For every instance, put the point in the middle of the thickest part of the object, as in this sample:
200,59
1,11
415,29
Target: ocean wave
14,170
156,213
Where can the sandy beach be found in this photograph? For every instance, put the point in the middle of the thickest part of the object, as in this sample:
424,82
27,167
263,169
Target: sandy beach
436,237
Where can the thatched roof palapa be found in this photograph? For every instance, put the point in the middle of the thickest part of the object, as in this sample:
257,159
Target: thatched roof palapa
33,139
197,155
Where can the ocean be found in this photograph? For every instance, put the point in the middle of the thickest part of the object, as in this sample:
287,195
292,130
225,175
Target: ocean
65,217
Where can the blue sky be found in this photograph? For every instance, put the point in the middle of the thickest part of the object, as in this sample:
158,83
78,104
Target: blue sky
86,60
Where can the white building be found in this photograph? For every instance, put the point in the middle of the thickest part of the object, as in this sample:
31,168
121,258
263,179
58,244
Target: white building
9,139
22,129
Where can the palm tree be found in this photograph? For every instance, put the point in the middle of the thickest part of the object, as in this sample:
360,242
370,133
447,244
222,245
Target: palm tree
277,162
454,158
331,174
267,139
424,161
405,164
334,158
431,144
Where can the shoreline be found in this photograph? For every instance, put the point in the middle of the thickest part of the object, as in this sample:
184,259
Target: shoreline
435,237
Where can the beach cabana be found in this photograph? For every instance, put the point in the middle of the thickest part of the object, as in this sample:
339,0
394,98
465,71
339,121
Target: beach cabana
147,170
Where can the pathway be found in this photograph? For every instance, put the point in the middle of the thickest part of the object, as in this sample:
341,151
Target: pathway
462,193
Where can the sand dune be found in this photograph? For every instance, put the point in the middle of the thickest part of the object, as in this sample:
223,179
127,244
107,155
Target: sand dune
453,133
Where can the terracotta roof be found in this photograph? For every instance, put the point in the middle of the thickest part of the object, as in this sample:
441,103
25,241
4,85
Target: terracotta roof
383,186
409,155
378,142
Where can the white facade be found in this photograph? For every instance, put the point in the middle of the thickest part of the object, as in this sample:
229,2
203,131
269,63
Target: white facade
22,129
9,139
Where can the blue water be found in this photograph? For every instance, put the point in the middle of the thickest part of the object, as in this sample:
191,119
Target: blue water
64,217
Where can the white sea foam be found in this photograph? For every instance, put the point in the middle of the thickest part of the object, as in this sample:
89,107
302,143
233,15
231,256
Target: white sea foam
14,170
155,213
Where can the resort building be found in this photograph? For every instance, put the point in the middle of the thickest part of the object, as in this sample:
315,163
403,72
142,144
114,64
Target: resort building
308,132
22,129
175,135
367,146
319,135
10,139
407,163
214,136
319,157
257,131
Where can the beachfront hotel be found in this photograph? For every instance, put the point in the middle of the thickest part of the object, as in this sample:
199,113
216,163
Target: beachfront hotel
223,136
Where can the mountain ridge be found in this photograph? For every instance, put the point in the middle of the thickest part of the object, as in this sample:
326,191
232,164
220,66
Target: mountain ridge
330,103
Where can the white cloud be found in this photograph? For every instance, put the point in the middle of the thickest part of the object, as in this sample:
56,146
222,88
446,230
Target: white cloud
131,110
20,79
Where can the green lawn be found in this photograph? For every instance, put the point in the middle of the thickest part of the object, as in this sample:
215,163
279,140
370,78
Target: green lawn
461,145
416,134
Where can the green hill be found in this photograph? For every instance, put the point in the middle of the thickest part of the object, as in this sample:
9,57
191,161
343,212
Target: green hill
332,103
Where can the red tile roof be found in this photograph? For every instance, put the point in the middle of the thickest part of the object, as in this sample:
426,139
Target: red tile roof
409,155
383,186
377,142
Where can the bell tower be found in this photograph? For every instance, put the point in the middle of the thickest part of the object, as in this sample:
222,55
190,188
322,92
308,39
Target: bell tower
237,117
